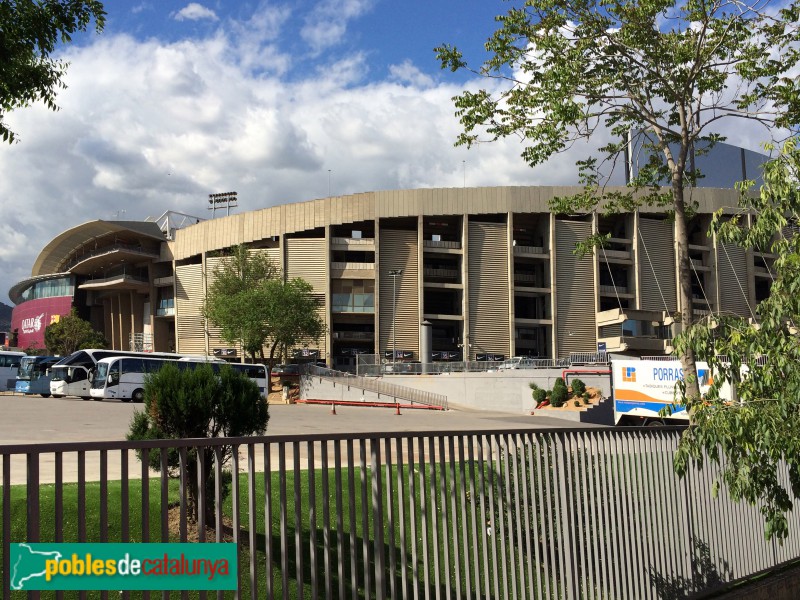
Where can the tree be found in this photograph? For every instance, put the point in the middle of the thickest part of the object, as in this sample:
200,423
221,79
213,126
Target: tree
196,403
252,304
236,302
758,435
655,73
29,33
292,314
72,333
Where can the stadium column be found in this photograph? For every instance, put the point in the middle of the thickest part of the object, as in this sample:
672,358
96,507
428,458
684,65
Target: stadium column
466,354
206,341
636,262
512,342
420,279
124,319
328,335
377,290
596,271
137,312
553,288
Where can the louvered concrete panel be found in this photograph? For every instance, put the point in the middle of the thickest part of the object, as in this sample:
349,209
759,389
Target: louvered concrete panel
656,258
733,284
399,250
488,288
577,329
189,320
306,258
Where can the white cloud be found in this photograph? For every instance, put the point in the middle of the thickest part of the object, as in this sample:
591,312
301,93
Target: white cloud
408,73
148,126
326,26
195,12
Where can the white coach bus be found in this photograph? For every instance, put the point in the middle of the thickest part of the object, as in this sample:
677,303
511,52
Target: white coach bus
9,368
122,377
72,375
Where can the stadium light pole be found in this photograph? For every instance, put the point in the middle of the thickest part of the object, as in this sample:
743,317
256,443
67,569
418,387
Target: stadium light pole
394,273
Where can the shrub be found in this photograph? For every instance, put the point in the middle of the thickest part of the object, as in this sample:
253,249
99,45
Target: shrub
585,396
533,385
197,403
577,402
578,387
559,394
539,396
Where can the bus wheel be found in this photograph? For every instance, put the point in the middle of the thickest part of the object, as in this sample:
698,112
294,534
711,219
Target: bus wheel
655,423
138,395
45,395
86,397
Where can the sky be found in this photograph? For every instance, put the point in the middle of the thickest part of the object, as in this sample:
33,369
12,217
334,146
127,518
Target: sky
278,101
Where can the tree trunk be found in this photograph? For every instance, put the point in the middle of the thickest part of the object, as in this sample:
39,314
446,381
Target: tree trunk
692,388
193,488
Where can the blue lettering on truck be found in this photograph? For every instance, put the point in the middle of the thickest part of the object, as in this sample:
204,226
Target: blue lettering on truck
667,374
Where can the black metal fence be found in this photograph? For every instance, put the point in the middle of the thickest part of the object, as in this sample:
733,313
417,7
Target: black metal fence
515,514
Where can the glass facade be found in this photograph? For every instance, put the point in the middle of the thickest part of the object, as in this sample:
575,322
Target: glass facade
353,296
52,288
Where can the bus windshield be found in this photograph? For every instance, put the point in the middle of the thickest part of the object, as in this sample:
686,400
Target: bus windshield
100,375
33,367
58,373
68,374
26,367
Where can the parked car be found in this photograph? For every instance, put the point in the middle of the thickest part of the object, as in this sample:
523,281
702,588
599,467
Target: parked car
290,371
277,370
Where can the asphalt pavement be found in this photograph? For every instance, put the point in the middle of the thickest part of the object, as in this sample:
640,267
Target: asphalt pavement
32,419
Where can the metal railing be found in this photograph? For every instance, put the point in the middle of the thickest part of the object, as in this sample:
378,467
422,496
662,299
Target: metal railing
356,266
164,281
140,342
612,289
349,241
445,273
353,335
115,247
530,250
451,245
588,358
552,514
473,366
390,390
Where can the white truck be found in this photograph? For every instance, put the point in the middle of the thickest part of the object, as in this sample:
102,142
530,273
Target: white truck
642,388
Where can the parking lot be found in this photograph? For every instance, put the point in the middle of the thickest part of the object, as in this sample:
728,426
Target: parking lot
32,419
27,419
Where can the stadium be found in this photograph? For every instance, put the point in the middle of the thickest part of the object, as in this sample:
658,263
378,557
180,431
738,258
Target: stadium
491,271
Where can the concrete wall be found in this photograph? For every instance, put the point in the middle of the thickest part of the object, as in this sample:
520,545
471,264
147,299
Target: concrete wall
505,392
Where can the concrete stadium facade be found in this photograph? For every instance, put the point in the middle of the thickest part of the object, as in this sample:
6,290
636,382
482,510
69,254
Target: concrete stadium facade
492,271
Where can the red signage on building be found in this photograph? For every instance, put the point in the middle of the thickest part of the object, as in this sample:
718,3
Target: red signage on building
30,319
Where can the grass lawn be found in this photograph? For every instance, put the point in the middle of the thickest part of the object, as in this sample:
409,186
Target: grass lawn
450,553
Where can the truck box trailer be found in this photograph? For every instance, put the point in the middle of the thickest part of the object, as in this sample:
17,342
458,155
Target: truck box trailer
641,389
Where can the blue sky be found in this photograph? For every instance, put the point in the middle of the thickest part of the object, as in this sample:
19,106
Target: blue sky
281,102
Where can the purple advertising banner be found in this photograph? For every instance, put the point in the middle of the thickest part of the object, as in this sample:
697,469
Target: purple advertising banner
30,319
